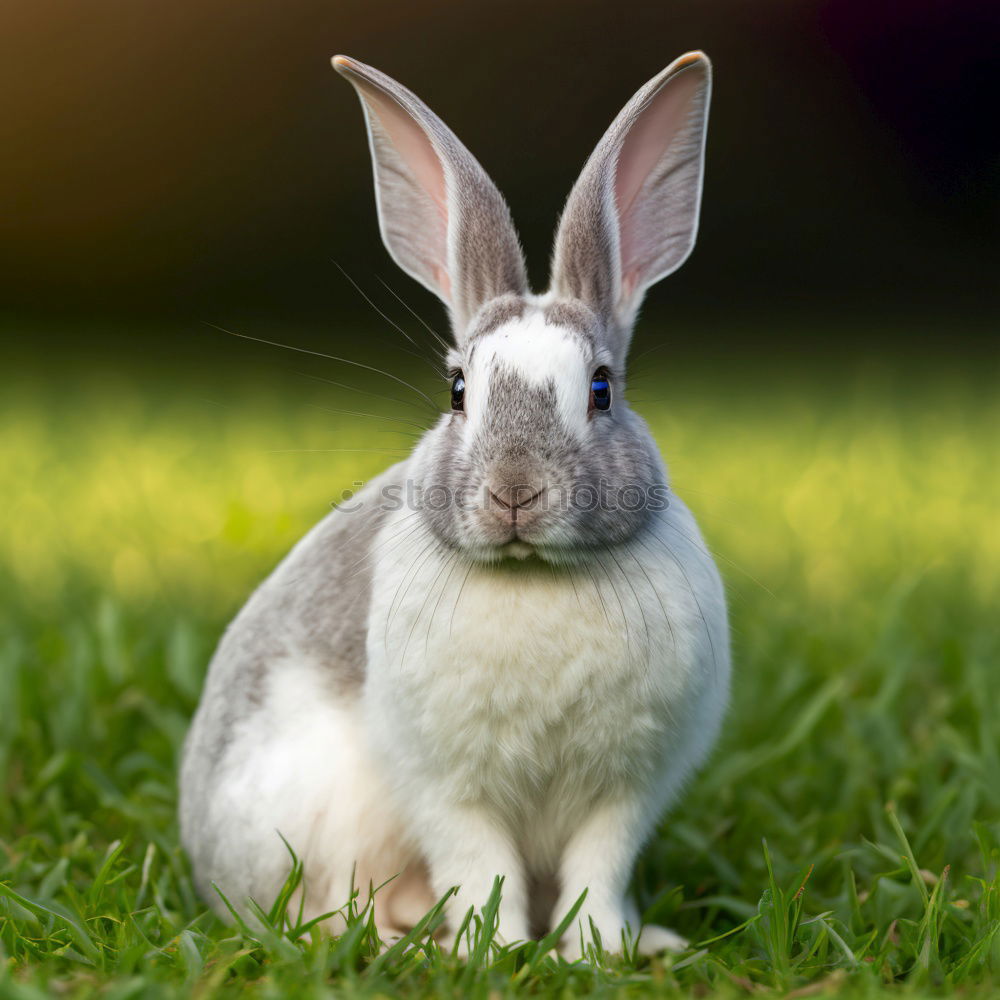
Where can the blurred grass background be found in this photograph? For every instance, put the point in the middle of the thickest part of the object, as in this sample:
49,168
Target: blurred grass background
822,478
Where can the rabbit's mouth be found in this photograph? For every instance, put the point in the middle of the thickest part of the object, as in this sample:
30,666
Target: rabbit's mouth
518,549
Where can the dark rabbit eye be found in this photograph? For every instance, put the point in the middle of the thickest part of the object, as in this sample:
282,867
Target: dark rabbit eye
600,391
458,392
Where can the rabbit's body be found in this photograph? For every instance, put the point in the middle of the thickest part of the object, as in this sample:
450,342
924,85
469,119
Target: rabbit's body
530,693
456,691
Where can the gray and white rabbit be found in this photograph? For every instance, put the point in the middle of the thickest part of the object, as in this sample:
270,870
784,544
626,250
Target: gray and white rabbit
507,654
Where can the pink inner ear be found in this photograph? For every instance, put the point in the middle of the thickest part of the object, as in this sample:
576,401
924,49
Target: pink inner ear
444,281
412,144
648,140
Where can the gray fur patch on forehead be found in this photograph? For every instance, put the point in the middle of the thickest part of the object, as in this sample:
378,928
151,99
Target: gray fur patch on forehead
496,313
571,314
522,416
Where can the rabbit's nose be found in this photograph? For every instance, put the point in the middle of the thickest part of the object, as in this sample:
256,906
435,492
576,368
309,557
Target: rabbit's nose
513,498
514,482
513,505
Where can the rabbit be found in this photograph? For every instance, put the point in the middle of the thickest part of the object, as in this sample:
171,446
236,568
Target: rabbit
507,654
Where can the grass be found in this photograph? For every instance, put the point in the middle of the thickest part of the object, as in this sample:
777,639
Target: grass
844,839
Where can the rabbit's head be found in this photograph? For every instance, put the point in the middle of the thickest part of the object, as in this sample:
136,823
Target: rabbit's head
540,453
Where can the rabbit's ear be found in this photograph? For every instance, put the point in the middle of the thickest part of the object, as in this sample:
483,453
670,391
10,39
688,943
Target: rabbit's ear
441,217
632,216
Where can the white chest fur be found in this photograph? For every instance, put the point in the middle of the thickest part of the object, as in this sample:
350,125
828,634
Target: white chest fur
534,688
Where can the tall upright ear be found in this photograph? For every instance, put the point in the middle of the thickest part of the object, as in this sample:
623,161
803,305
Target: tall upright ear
441,217
632,216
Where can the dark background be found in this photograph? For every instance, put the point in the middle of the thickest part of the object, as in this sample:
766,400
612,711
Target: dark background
200,160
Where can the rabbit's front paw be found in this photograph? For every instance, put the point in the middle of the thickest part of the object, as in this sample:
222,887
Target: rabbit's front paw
615,936
508,935
654,940
579,941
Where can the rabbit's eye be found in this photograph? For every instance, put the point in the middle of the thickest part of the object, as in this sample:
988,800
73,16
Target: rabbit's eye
600,390
458,392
